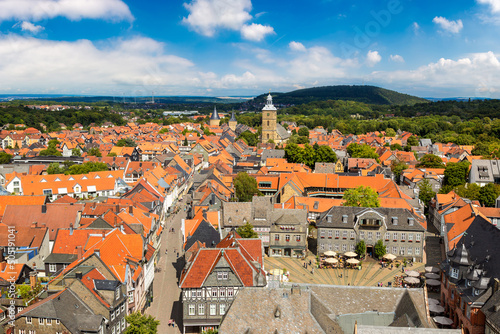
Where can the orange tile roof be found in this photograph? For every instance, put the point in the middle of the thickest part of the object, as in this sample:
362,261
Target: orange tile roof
20,200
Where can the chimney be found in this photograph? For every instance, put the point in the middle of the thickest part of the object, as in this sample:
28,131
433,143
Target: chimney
115,221
131,210
103,235
2,259
117,208
78,275
44,208
79,252
71,229
33,278
97,252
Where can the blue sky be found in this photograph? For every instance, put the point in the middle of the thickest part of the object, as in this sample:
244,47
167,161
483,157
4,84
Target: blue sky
247,47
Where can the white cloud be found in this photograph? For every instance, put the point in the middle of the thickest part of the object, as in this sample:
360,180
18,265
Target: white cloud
478,72
36,10
206,16
256,32
453,27
397,58
138,64
494,5
296,46
28,26
416,28
372,58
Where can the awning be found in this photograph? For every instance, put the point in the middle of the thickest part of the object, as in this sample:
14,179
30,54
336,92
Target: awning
62,191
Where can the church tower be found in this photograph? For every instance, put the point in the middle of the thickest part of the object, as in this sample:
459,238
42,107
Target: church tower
215,118
233,122
269,116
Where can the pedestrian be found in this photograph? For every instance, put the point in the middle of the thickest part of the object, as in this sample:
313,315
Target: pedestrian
166,250
177,254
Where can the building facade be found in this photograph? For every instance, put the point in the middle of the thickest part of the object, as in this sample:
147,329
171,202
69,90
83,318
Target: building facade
342,227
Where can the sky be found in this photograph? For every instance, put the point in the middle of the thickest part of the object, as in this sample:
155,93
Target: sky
248,47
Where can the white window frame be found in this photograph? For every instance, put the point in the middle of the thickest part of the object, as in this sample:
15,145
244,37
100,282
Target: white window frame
52,267
201,309
29,320
192,309
213,309
417,237
222,309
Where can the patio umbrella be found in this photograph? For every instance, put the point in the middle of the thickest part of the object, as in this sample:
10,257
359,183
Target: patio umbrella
412,273
443,321
331,260
433,301
436,308
432,276
276,272
350,254
352,261
431,269
411,280
330,253
389,256
433,282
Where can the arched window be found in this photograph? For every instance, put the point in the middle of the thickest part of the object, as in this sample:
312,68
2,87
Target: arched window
267,123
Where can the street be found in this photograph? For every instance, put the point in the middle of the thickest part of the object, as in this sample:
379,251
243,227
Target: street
166,303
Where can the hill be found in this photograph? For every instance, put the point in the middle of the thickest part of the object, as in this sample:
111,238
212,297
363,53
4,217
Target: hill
365,94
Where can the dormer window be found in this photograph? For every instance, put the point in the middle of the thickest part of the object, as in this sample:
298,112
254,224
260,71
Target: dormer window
329,218
117,293
411,221
344,219
454,273
476,292
394,220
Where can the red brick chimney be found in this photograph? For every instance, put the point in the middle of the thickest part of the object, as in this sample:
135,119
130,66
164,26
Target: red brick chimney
79,252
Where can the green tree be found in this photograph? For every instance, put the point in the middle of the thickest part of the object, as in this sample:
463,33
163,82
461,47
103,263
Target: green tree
468,190
112,154
185,143
397,167
252,139
293,153
361,248
425,192
54,168
390,132
303,132
51,149
361,196
456,174
5,158
94,151
430,161
76,152
356,150
396,147
87,167
127,142
162,131
308,156
324,153
141,324
412,141
246,231
488,194
379,249
245,187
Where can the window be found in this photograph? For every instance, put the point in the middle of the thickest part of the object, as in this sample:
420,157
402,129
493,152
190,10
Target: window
123,323
221,275
454,272
22,331
322,234
344,247
191,309
362,234
230,292
277,237
48,322
417,251
378,235
370,235
31,332
28,320
395,236
329,246
40,321
403,236
387,236
287,237
123,308
394,250
112,316
113,330
19,309
59,321
344,234
353,234
402,250
213,309
131,296
417,237
410,250
117,311
52,268
222,309
336,247
330,233
117,293
47,192
410,237
214,292
297,238
222,292
201,309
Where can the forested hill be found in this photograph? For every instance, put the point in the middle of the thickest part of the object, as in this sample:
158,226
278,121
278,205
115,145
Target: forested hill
365,94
